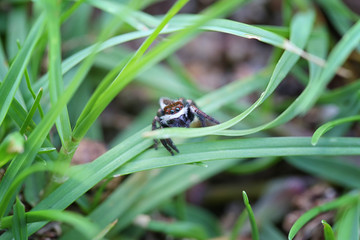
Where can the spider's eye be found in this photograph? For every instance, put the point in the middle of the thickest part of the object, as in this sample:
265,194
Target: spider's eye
177,109
172,111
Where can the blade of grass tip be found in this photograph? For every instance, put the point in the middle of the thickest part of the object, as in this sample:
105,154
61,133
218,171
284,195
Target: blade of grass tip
12,145
107,229
33,108
328,232
19,228
28,83
329,125
91,112
138,20
14,75
56,88
254,229
344,200
71,10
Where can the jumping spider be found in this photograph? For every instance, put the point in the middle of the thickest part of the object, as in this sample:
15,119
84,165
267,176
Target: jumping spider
178,113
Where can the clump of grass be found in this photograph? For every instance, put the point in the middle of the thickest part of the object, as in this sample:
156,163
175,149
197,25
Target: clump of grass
37,166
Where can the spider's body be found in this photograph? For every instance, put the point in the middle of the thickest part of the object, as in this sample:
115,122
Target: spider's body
178,113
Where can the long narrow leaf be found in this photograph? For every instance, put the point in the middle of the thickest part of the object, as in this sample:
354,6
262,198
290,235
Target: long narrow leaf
52,10
16,71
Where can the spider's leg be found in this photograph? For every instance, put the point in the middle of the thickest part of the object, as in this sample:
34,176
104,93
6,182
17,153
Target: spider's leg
200,114
165,144
171,144
154,127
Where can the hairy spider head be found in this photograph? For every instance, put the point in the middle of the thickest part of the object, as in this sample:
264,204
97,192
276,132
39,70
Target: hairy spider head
176,113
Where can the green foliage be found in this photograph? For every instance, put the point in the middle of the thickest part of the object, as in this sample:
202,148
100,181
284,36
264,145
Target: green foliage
62,68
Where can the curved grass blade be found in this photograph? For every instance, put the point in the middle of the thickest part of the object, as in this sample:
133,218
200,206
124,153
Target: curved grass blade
329,125
254,230
33,108
14,75
345,200
302,21
226,26
335,60
241,148
82,224
19,180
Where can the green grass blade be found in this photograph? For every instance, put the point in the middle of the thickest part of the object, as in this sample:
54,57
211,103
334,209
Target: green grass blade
28,118
19,228
335,170
226,26
254,230
328,232
329,125
339,14
344,200
16,71
3,63
164,185
52,10
255,165
241,148
174,229
348,224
